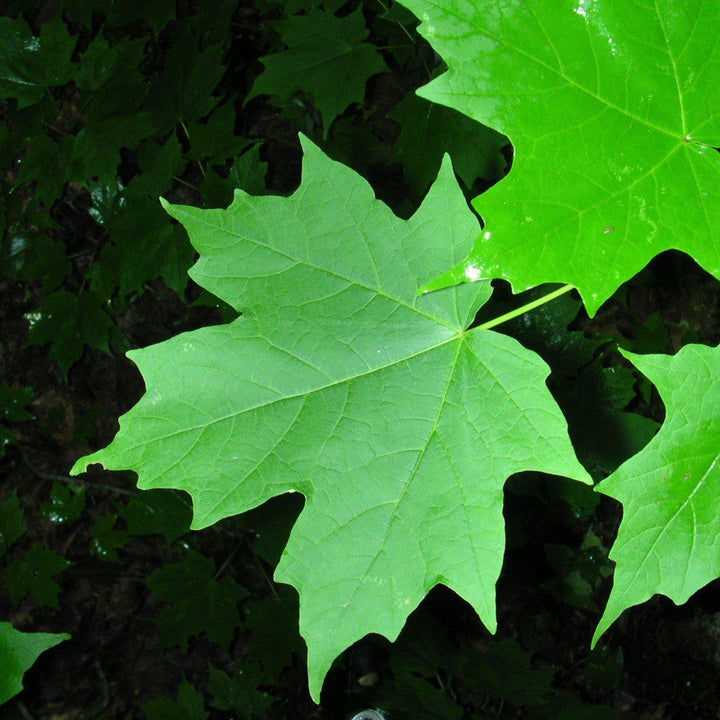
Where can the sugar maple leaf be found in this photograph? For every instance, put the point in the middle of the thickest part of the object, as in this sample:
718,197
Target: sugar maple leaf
398,424
667,542
614,113
326,58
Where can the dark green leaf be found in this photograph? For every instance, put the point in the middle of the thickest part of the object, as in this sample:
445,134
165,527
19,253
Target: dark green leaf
107,539
327,60
32,256
12,523
47,164
247,173
69,322
429,131
198,602
215,138
14,401
165,512
273,623
66,504
30,65
190,705
239,692
34,575
144,246
158,164
183,93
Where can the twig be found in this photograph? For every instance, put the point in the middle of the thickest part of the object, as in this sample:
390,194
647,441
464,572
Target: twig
71,480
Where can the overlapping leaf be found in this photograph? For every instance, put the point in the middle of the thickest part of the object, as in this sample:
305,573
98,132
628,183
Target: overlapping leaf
667,541
613,109
398,424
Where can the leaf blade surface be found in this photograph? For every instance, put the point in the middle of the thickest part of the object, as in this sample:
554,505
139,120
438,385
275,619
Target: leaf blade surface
613,112
667,542
398,425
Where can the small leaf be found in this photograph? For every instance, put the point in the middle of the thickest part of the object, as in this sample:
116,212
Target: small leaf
183,93
327,59
198,602
273,624
239,692
12,523
34,575
68,322
190,705
65,506
106,539
164,512
18,653
428,131
14,401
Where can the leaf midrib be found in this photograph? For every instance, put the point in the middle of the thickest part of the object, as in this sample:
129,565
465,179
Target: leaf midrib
458,337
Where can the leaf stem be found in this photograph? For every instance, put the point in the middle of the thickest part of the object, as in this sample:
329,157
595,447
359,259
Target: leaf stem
526,308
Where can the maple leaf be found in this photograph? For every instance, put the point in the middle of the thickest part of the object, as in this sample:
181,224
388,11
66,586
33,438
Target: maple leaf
30,65
398,424
190,705
667,542
326,59
614,114
18,653
34,575
198,601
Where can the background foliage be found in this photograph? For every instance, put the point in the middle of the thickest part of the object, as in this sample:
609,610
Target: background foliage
108,106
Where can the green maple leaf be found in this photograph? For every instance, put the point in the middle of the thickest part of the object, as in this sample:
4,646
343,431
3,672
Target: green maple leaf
12,522
667,542
429,130
613,112
68,322
398,424
34,575
30,65
240,692
164,512
198,601
18,653
190,705
327,59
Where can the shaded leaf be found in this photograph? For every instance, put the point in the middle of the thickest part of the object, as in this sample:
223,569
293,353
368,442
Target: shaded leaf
429,131
107,539
65,505
326,59
12,523
239,692
34,575
190,705
164,512
69,322
30,65
198,602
